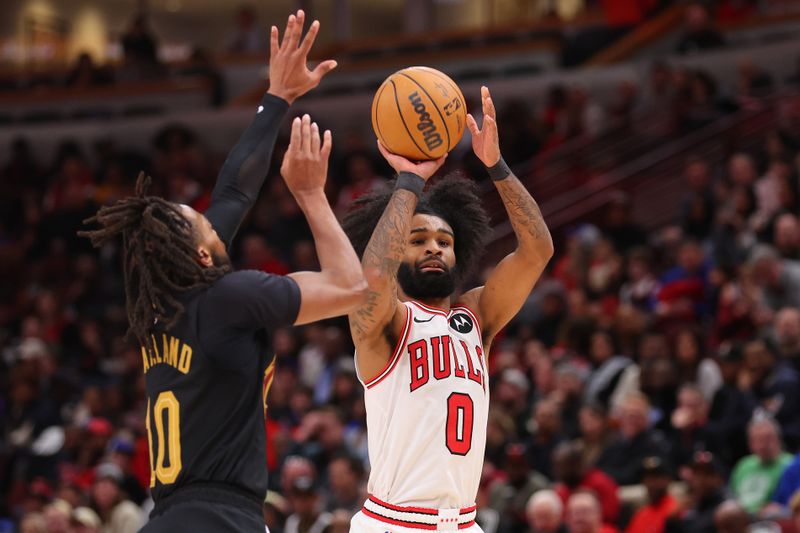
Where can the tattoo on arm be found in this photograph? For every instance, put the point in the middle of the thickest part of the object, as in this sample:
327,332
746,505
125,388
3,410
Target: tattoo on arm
524,213
383,256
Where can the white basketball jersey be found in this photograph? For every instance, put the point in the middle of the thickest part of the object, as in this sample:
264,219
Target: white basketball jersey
427,412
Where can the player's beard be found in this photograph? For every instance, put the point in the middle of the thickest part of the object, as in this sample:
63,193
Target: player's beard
425,285
221,260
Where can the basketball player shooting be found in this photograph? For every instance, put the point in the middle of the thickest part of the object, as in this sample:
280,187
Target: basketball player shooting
206,331
422,360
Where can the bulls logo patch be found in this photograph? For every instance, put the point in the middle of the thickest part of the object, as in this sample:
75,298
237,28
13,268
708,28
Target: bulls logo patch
461,322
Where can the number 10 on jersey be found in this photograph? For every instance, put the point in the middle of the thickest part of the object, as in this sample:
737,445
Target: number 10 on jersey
166,415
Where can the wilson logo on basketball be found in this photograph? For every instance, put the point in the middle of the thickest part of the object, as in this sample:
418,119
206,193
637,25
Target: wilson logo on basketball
425,124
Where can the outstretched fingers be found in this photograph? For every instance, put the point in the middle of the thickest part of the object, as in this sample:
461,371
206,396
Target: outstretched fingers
311,36
472,125
488,104
327,144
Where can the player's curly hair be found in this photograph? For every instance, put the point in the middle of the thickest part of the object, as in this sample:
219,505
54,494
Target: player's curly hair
453,198
159,257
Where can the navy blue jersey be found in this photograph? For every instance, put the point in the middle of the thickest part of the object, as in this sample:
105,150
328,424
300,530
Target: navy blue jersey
207,381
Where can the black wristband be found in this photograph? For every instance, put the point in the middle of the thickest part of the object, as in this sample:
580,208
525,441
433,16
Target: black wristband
499,171
410,182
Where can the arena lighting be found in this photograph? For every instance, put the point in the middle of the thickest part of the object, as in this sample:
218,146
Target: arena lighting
89,33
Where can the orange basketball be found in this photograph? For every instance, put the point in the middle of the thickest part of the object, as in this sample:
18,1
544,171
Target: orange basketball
419,113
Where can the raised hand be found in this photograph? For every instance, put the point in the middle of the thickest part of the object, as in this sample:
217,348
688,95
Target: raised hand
289,75
305,164
485,142
425,169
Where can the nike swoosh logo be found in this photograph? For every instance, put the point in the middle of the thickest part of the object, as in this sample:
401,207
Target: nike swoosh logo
421,321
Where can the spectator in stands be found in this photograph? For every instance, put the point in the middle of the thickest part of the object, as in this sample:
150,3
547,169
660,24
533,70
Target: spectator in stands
583,514
755,477
620,227
693,366
294,467
697,207
682,297
700,33
595,435
546,436
658,381
775,385
308,516
771,195
660,504
510,497
609,372
742,169
544,511
706,492
692,428
732,405
779,278
119,514
247,37
786,236
641,286
605,271
346,478
569,393
637,440
57,516
85,520
787,335
705,103
731,517
788,484
33,523
573,476
141,51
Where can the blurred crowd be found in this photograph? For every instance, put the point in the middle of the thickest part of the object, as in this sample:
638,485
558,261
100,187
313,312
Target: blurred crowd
651,382
141,58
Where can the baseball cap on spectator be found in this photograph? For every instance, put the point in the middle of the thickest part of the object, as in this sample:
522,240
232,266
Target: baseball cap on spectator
654,466
703,461
99,426
109,471
515,455
86,517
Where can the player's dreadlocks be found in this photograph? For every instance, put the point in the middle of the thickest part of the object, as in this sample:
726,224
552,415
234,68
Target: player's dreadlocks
159,257
452,198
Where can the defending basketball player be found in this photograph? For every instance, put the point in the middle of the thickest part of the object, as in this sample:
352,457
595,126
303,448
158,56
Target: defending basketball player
421,358
206,331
